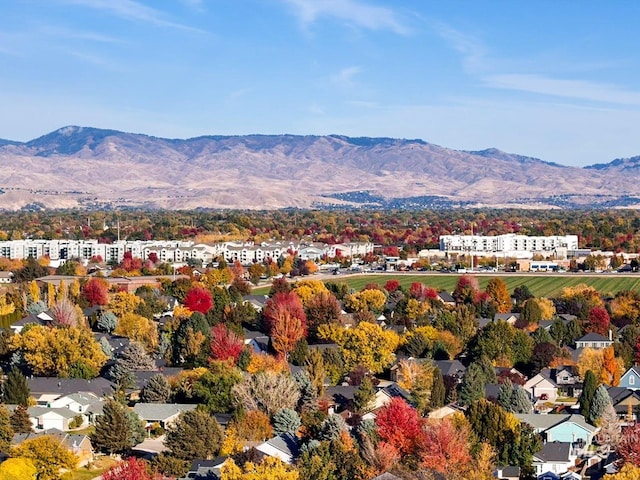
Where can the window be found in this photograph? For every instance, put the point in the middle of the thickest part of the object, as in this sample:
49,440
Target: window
632,380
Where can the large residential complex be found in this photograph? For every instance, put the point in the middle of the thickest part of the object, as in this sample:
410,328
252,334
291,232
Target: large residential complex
177,251
510,245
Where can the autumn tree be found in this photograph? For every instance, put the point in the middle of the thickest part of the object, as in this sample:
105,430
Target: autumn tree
267,392
96,292
194,434
629,447
285,333
256,270
198,299
253,426
366,300
283,302
322,309
48,455
497,289
269,468
400,425
446,448
598,321
18,469
123,303
629,471
138,328
130,469
66,314
6,431
466,289
225,344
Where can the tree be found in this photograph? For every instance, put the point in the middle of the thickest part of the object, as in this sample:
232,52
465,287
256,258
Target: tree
598,321
20,420
254,426
195,434
18,469
590,384
134,357
629,471
286,420
130,469
283,302
267,392
363,396
308,394
112,432
629,448
269,468
96,292
612,367
198,299
286,332
401,426
598,405
256,270
322,309
497,289
138,328
48,455
446,448
366,300
610,434
438,390
466,289
332,427
16,390
531,314
66,314
225,344
107,322
157,390
473,385
6,431
124,303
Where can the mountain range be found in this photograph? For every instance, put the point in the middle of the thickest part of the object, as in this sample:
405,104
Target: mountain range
97,168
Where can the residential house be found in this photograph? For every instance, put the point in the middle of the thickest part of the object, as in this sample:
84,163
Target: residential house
45,418
510,317
42,318
626,402
257,341
284,446
451,368
201,469
554,458
48,389
78,444
541,388
631,379
594,340
164,414
507,473
6,277
386,392
569,428
447,298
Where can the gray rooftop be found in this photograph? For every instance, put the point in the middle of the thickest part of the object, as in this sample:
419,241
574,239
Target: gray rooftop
161,411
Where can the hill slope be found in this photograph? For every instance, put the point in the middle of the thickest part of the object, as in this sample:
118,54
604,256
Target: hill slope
96,168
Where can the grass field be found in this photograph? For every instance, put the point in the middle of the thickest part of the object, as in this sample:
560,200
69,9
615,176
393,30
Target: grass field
541,285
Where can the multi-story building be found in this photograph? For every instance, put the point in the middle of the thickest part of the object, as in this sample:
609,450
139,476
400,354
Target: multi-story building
512,245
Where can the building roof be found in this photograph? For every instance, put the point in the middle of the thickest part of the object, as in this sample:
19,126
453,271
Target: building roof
63,412
287,443
450,367
161,411
100,386
553,452
545,422
593,337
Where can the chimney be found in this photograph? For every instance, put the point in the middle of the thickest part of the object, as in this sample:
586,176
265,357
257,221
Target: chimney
610,335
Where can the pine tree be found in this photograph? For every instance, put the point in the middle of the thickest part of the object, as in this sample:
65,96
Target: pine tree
364,395
286,421
308,397
520,402
438,390
16,390
20,421
473,383
157,390
195,434
331,427
6,432
112,433
505,395
589,387
598,405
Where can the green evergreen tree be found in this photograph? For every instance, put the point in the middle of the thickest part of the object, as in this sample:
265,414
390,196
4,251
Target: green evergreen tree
599,404
286,421
20,421
438,390
364,395
520,402
195,434
505,395
589,387
157,390
331,427
16,389
112,429
473,383
6,432
308,396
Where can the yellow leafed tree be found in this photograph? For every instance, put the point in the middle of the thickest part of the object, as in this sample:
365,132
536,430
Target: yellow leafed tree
34,291
139,328
307,289
48,455
17,469
369,345
6,308
269,469
369,299
124,302
547,308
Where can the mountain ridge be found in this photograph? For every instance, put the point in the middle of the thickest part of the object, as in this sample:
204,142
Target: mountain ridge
110,168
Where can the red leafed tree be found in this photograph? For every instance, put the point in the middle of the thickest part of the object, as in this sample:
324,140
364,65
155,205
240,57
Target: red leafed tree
598,321
392,285
401,426
629,448
131,469
421,292
284,302
96,292
466,288
286,332
446,449
153,257
225,344
198,299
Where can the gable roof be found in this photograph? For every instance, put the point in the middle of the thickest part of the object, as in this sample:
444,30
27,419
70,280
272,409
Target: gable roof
634,369
450,367
554,452
593,337
287,443
100,386
161,411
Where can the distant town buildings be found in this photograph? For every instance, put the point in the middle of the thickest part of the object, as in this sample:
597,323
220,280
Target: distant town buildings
509,245
173,251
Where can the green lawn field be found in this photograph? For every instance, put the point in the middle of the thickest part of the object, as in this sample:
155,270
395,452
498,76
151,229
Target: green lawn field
541,285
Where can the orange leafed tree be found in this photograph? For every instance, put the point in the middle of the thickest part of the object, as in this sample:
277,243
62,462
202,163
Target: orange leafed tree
446,448
286,332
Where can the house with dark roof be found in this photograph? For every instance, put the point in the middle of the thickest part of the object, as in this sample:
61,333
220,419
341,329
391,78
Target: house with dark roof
507,473
48,389
452,368
625,402
631,379
554,458
446,298
510,317
42,318
594,340
201,469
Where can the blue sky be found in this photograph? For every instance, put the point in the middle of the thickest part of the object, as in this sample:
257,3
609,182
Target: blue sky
554,80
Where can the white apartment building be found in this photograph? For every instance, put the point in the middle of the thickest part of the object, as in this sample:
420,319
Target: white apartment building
511,244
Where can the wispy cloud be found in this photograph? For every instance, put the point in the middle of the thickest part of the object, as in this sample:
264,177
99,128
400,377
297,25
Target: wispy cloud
67,33
345,77
352,12
577,89
472,50
132,11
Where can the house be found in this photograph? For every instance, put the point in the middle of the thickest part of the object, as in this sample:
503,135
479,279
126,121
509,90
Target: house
257,341
79,444
6,277
594,340
339,398
541,387
45,418
625,402
42,318
48,389
451,368
256,301
570,428
446,298
507,473
201,469
388,392
284,446
631,379
87,404
510,317
554,458
163,413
